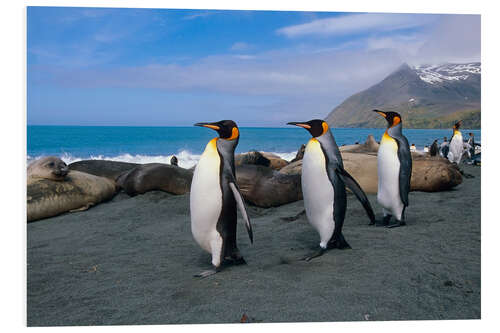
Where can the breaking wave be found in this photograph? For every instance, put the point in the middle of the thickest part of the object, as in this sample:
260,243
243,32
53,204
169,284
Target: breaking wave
186,159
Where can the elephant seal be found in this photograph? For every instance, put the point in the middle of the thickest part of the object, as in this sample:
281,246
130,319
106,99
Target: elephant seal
434,174
103,168
49,167
252,157
429,174
260,158
276,162
370,146
47,197
265,187
300,154
155,176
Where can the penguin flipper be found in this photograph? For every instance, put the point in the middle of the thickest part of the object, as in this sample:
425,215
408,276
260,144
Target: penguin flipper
405,166
241,206
353,185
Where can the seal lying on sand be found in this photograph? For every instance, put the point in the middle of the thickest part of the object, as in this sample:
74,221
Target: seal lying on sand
103,168
48,196
155,176
49,167
265,187
260,158
370,146
429,174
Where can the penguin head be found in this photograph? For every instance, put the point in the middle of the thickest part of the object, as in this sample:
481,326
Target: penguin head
316,127
393,118
457,125
227,129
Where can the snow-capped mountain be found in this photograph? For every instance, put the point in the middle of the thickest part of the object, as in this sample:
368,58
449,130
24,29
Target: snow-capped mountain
427,96
434,74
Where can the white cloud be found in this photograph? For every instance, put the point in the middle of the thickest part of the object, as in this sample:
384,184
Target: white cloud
457,38
357,23
198,15
240,46
304,80
244,56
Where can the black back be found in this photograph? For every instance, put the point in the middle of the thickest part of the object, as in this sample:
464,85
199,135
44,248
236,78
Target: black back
405,161
333,161
434,148
226,225
339,178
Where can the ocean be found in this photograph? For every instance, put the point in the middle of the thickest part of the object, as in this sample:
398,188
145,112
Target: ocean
158,144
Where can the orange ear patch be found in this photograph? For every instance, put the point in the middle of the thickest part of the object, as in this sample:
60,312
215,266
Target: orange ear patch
234,134
396,121
325,127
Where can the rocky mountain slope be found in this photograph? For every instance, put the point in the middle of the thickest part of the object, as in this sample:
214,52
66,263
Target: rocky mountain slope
427,96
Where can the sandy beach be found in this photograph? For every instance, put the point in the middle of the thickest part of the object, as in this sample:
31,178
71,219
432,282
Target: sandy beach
131,261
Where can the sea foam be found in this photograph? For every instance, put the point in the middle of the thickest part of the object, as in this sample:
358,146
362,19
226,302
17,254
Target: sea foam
186,159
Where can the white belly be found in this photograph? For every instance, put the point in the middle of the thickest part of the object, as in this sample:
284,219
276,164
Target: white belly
206,199
317,191
388,177
456,148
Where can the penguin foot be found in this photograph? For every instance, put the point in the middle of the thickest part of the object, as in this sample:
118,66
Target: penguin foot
204,274
236,260
316,254
397,224
339,243
384,222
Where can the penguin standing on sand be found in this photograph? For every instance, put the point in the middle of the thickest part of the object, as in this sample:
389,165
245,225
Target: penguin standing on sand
323,187
434,148
456,144
444,148
214,197
394,170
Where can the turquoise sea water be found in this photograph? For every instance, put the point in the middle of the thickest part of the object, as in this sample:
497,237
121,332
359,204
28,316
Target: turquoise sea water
158,144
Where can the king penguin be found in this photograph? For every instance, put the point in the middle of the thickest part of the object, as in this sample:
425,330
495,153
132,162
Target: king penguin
214,197
323,187
434,148
394,170
456,144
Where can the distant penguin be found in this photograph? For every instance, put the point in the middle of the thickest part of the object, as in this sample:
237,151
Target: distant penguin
394,170
444,148
413,148
434,148
456,144
323,186
174,161
472,144
214,197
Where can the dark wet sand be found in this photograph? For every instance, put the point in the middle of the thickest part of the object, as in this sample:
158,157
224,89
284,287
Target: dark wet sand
132,260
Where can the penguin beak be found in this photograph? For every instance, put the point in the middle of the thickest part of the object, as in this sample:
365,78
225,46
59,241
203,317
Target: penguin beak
208,125
306,126
382,113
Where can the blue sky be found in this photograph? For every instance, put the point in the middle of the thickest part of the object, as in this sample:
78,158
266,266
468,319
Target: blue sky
160,67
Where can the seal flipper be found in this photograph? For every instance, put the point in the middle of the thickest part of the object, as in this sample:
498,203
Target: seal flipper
353,185
241,206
